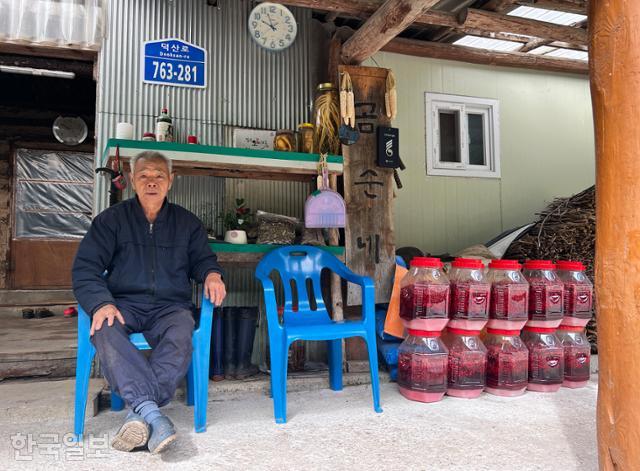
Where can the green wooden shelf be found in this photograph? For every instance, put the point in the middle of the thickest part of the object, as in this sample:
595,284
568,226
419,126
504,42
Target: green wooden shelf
227,161
251,254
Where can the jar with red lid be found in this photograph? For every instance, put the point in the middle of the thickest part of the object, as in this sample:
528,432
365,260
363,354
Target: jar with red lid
509,298
577,356
424,295
546,294
422,366
467,367
578,293
469,306
507,363
546,358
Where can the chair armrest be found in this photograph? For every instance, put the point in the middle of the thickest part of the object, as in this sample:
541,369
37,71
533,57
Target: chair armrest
206,315
368,290
270,303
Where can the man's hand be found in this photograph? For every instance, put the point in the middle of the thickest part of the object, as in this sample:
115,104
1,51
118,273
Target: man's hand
107,312
214,289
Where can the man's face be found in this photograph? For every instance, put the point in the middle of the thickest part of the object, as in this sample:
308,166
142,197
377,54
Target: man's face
151,181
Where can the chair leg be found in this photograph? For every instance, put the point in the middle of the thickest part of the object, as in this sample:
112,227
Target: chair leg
86,352
335,364
200,366
279,361
190,386
373,367
117,404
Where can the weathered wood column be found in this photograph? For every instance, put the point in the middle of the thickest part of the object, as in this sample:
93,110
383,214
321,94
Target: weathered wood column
615,90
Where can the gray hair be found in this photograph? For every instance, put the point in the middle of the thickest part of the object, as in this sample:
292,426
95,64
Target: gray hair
150,155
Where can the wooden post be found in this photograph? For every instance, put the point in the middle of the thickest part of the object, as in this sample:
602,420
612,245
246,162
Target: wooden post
368,189
615,91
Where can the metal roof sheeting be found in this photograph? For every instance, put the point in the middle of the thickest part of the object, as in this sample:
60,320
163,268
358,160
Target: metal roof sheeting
488,43
550,16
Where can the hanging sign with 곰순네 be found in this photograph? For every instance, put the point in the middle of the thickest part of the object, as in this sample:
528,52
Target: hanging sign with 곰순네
174,62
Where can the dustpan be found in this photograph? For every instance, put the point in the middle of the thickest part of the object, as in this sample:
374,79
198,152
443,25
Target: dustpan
324,207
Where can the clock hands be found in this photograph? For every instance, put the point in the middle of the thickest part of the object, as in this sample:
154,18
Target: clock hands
269,24
273,27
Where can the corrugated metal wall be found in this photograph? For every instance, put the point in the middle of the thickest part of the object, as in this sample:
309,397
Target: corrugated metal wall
247,87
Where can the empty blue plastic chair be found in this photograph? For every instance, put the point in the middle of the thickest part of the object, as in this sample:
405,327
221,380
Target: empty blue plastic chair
299,267
197,376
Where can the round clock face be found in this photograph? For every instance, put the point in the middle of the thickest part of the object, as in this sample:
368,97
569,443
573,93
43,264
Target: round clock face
272,26
70,131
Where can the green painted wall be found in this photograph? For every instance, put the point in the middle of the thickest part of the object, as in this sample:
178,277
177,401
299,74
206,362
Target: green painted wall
547,150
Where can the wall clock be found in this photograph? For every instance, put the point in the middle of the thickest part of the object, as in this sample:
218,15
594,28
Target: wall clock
272,26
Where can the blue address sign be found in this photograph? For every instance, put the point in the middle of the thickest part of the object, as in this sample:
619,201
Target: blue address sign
174,62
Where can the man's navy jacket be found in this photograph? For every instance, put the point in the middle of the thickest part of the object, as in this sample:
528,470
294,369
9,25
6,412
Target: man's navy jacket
144,262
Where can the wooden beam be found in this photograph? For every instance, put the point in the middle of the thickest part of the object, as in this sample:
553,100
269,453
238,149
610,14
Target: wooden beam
79,68
480,56
615,94
569,6
473,20
385,24
498,5
497,23
531,45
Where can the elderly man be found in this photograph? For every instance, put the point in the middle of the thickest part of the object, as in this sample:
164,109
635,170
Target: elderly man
132,273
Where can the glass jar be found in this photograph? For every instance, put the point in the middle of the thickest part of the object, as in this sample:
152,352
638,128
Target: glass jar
326,112
467,366
507,363
424,295
469,307
578,293
305,138
546,293
577,356
546,359
422,366
509,299
284,141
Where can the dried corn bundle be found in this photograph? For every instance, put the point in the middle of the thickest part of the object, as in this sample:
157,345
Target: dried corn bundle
347,107
391,96
565,230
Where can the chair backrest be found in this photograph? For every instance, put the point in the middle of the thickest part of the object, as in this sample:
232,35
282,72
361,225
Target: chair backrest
299,267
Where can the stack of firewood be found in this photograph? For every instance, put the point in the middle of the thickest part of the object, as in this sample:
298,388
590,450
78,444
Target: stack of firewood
565,230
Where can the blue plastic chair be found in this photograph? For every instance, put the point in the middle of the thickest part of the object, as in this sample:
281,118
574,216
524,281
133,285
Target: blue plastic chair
296,265
197,376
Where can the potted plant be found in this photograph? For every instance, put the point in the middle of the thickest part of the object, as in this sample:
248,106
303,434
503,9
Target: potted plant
236,222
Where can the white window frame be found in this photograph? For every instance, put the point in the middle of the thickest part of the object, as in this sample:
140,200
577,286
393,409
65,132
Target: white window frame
464,105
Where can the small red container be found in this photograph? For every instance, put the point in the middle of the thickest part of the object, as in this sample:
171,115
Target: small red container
577,356
509,300
578,293
424,295
507,363
467,367
546,294
546,359
469,307
422,366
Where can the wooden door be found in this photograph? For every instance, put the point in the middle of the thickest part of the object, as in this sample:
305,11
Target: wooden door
51,211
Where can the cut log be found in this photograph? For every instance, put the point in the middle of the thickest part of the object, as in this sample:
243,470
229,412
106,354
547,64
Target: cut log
615,92
480,56
385,24
368,190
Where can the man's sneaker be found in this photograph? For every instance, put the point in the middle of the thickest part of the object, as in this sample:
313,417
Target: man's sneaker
134,433
163,433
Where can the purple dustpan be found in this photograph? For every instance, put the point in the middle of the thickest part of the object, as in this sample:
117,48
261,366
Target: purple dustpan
324,208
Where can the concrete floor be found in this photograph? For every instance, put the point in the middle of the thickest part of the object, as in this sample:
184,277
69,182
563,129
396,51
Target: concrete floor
326,430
